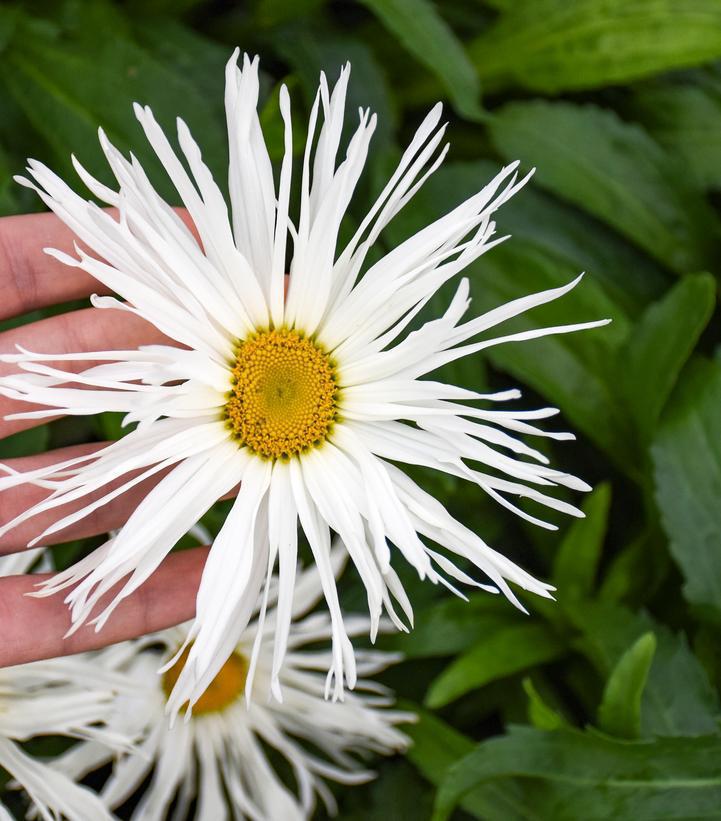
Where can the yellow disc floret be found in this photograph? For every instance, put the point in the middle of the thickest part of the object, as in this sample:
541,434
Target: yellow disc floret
283,396
222,691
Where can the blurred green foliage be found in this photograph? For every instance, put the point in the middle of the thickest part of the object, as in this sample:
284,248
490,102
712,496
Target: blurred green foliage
604,704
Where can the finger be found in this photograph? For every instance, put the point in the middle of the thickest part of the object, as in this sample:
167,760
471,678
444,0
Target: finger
18,499
33,629
90,329
111,516
31,279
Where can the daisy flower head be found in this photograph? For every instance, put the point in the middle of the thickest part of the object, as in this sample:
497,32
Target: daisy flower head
225,753
66,697
309,399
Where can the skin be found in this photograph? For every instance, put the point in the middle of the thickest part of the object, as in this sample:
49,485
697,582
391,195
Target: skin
32,628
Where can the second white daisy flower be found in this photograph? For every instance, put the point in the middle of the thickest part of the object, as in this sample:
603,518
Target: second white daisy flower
226,755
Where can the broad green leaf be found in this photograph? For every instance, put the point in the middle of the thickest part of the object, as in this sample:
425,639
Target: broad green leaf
541,715
573,371
620,711
615,171
572,239
398,791
554,45
687,469
684,116
158,7
425,34
8,23
677,699
436,746
501,653
276,12
68,87
652,357
18,141
636,572
452,625
576,563
189,55
569,238
707,647
310,51
583,775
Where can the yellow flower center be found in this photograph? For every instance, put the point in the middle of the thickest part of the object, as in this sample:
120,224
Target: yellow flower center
222,691
284,394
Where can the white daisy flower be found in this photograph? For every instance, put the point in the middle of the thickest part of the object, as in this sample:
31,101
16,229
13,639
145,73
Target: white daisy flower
69,697
309,401
219,754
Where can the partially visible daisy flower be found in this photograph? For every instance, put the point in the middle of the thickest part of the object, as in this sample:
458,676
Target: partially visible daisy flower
69,697
310,401
219,754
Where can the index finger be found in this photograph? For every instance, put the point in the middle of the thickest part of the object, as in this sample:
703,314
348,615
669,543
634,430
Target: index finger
30,278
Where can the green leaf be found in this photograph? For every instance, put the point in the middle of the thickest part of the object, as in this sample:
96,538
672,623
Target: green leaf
576,563
70,86
570,238
277,12
188,54
310,51
687,469
563,234
678,698
620,711
436,746
583,775
425,34
684,115
452,625
9,16
398,791
621,175
652,357
707,647
573,371
499,654
554,45
540,714
637,571
176,7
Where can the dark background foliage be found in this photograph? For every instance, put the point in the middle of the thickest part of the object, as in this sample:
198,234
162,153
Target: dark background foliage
604,704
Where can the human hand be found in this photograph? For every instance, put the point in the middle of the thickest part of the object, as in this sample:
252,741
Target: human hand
33,628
